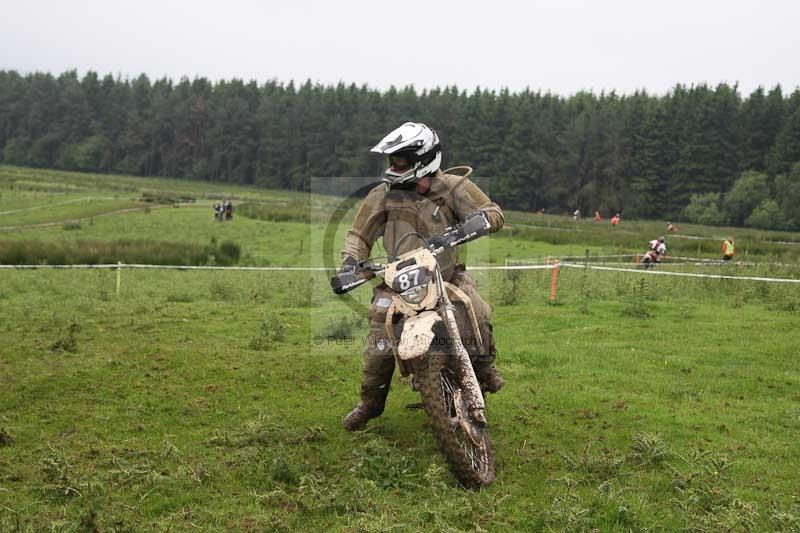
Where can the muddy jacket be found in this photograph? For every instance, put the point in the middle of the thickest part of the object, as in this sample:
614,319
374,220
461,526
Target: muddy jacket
395,212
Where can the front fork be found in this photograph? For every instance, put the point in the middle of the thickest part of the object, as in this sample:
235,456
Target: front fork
463,363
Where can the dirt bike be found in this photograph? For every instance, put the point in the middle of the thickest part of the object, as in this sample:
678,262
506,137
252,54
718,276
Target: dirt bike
649,259
431,347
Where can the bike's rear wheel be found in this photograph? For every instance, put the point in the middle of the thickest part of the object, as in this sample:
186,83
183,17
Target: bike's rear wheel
465,445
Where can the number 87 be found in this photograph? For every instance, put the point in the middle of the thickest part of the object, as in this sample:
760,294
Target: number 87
405,282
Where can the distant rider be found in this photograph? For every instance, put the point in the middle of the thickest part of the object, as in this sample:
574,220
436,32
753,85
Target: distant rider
659,247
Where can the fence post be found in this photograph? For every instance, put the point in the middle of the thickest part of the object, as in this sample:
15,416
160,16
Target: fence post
554,282
636,259
547,261
119,276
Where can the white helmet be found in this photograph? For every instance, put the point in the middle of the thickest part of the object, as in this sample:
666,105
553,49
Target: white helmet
416,142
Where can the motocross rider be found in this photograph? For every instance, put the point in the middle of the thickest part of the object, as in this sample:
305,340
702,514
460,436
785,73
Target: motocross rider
415,196
659,247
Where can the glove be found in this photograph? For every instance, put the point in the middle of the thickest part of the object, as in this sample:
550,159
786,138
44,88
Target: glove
349,264
346,276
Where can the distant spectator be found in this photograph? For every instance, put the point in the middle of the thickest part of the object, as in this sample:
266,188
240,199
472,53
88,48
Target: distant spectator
672,228
218,211
576,214
615,220
728,249
228,210
597,217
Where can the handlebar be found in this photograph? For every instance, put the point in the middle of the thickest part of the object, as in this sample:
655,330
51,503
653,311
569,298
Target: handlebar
347,280
473,227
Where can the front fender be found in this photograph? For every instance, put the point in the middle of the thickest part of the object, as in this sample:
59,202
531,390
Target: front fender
417,334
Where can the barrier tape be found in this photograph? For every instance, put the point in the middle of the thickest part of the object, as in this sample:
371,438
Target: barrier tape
615,256
684,274
670,260
161,267
471,268
253,268
570,257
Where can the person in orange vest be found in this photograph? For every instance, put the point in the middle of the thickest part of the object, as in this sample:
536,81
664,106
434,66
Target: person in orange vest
615,220
728,249
597,217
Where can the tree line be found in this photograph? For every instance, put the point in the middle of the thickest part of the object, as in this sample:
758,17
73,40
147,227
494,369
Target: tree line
680,155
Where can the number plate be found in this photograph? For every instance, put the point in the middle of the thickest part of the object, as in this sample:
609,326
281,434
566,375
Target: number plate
410,277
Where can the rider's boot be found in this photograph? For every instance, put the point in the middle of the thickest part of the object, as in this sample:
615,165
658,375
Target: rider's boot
488,376
371,406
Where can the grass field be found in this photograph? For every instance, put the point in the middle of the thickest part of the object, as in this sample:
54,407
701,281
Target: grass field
212,399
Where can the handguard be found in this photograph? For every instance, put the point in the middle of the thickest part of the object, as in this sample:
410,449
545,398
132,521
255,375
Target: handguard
351,275
347,280
474,226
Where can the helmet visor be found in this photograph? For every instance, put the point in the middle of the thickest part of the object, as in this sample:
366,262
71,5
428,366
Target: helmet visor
399,162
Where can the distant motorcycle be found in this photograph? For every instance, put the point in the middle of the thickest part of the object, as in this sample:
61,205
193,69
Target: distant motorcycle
431,347
657,250
649,259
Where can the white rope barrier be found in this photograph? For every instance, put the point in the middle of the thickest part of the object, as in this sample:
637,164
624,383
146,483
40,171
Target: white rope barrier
683,274
511,267
50,267
121,266
162,267
670,260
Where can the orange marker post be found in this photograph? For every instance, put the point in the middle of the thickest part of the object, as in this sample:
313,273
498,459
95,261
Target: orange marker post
554,282
636,259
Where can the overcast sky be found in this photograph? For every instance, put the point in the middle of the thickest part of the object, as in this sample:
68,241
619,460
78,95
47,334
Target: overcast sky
558,45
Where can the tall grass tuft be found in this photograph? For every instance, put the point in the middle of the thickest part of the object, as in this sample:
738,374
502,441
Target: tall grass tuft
6,439
270,332
344,326
228,253
648,449
296,211
165,197
68,342
637,306
510,287
71,225
36,252
59,479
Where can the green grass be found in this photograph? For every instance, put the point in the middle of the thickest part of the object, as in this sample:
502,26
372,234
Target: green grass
165,412
206,399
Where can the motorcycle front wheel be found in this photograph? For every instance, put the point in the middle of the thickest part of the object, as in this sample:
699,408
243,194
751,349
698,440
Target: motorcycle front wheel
465,444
